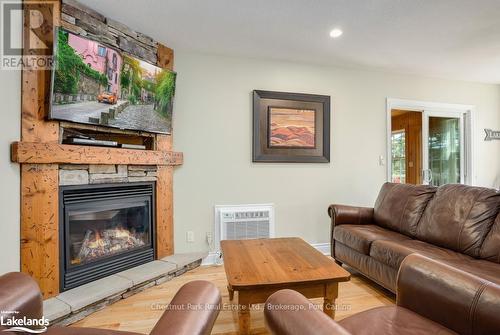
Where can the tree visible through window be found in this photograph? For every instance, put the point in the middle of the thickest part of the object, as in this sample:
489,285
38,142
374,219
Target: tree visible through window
398,156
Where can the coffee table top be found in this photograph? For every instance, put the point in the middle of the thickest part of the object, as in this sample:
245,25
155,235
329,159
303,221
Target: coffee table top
277,261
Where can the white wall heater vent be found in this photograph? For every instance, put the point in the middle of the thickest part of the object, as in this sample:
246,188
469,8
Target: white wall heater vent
242,222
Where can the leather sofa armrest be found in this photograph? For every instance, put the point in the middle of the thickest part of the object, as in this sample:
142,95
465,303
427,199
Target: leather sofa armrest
192,311
449,296
342,214
288,312
20,293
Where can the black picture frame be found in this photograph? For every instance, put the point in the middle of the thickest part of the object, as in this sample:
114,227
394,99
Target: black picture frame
263,101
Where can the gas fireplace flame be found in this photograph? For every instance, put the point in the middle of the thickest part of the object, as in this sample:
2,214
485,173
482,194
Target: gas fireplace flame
101,243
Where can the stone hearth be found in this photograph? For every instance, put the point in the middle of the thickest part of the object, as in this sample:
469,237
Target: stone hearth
75,304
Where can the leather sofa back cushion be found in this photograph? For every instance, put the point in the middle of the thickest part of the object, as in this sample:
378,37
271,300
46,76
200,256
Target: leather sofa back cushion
490,250
399,207
459,217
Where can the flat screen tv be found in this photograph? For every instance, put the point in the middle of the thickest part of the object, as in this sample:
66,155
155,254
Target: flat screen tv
96,84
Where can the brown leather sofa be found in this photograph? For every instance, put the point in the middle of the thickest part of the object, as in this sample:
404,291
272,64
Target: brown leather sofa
456,224
19,292
432,298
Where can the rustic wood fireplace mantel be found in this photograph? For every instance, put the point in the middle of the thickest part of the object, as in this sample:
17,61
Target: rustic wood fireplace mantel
52,153
40,152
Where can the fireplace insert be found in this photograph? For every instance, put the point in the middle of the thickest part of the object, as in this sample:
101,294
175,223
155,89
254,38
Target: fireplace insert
105,229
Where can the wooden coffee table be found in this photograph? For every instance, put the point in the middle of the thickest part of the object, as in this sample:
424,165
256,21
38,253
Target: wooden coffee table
258,268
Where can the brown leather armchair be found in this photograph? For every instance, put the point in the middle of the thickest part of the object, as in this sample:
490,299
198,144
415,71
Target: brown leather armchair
432,298
19,292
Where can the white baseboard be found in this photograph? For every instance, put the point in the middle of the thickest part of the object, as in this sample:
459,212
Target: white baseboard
213,257
322,247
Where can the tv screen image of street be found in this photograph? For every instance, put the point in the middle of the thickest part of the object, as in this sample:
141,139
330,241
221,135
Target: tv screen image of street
96,84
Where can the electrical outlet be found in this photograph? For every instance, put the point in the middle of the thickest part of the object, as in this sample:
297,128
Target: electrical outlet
190,236
210,237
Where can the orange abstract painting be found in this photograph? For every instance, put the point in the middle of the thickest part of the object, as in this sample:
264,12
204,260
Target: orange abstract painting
291,128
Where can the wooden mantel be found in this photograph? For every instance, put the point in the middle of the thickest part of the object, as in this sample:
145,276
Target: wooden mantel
39,151
54,153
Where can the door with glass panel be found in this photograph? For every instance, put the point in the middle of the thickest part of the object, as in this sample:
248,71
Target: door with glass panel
443,148
406,147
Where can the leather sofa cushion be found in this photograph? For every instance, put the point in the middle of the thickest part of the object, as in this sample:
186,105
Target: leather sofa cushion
389,320
399,207
360,237
459,217
490,250
393,253
478,267
380,273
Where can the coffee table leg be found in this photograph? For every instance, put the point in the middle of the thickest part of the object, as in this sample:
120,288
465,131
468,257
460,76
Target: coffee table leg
231,293
331,293
243,313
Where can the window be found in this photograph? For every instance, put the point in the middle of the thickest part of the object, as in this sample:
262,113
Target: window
115,62
101,51
398,156
116,78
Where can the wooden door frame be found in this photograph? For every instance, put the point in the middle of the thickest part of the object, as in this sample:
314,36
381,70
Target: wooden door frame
469,112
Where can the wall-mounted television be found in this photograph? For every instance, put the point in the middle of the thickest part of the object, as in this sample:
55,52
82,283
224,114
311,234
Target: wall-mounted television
96,84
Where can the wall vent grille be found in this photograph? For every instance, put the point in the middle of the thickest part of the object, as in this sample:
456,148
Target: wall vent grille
243,222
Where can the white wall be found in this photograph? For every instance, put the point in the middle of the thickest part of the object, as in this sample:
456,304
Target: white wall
213,127
10,102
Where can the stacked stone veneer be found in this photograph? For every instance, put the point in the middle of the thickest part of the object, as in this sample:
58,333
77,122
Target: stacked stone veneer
102,174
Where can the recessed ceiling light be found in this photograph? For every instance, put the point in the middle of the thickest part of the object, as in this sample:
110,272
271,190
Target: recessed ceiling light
336,33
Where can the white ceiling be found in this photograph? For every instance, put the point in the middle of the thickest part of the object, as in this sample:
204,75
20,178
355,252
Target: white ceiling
456,39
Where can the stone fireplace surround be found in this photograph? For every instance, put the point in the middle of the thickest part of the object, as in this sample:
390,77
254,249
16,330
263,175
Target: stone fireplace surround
79,175
75,304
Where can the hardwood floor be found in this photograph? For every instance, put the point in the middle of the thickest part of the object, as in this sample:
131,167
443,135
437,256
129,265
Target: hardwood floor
139,313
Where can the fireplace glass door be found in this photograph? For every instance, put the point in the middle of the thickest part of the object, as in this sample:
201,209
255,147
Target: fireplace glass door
105,230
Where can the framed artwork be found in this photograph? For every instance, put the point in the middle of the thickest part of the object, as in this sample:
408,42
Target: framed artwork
291,127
